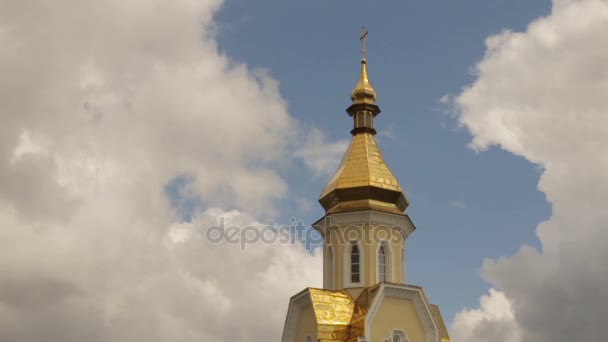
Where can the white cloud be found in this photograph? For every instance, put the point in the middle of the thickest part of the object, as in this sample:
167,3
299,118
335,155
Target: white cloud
389,132
492,321
457,204
304,204
319,155
541,94
103,103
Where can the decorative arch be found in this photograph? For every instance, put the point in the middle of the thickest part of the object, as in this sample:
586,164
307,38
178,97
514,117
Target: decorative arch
418,299
398,335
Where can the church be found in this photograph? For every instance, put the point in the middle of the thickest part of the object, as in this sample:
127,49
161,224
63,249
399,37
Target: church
365,296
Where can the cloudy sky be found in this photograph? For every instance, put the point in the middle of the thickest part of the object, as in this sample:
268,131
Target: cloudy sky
127,127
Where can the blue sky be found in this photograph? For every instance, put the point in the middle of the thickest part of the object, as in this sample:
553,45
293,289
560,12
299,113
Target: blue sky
125,133
466,205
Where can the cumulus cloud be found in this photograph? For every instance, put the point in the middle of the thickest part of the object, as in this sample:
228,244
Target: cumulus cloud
541,94
319,155
493,321
103,104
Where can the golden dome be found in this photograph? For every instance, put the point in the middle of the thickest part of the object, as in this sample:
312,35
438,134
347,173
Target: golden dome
363,92
363,181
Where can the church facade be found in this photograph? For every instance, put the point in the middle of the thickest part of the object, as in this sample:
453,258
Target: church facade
365,296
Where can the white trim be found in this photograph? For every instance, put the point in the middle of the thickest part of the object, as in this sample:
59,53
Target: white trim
330,272
418,299
401,334
294,312
372,217
388,260
403,264
382,264
396,333
346,265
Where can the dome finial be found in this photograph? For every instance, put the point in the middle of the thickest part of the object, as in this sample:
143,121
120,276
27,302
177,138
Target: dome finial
362,39
363,92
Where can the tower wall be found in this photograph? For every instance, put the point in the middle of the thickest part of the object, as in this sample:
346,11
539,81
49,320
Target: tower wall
369,231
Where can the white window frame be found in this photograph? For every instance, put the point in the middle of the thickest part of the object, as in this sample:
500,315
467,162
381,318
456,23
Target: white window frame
381,265
401,334
331,267
347,267
388,260
397,333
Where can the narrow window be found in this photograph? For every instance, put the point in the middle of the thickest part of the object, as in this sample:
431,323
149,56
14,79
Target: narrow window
381,264
330,267
354,264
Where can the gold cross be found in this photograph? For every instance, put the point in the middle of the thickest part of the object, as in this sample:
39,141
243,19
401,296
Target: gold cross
362,39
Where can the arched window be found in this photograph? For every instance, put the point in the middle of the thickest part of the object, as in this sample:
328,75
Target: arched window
399,336
355,275
330,267
381,264
384,263
353,269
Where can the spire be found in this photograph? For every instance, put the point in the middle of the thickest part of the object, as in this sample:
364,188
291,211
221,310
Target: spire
363,181
363,92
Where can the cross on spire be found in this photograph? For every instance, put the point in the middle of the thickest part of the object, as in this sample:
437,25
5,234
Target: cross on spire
362,39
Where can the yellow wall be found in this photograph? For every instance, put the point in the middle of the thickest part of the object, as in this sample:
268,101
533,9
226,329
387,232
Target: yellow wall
307,325
395,313
354,292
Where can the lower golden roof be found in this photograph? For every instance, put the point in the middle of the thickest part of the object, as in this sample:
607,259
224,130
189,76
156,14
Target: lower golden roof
340,318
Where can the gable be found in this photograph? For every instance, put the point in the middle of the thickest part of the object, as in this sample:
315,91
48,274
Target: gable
396,314
405,307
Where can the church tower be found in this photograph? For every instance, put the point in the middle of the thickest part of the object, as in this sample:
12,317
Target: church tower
365,296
